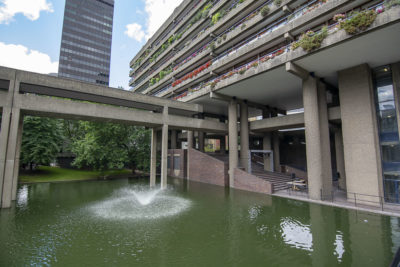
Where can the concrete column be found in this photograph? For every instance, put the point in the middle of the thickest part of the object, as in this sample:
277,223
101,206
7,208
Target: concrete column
153,157
164,151
276,150
5,127
10,158
17,158
340,158
267,146
244,136
396,90
319,167
222,145
173,139
362,157
190,138
233,140
201,141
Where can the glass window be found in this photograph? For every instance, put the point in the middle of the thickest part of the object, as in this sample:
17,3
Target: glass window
388,132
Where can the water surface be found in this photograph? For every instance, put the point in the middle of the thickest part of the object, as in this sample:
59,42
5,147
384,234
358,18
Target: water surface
122,223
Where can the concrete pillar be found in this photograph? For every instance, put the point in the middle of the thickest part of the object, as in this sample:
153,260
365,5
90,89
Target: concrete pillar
244,136
276,150
10,158
190,138
153,157
222,145
17,158
267,146
340,158
362,157
396,90
233,140
319,167
5,126
201,141
164,151
173,139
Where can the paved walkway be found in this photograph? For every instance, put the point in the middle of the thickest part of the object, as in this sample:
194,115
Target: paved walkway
339,199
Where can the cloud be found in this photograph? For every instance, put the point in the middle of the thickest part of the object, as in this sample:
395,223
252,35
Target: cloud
157,12
20,57
135,31
29,8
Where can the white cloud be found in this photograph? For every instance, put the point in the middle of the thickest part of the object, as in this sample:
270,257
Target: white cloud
29,8
157,12
135,31
20,57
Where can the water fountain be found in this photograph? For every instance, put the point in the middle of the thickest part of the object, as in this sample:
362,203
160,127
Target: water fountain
139,203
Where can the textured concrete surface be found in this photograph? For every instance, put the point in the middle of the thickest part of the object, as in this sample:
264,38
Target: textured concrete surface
359,128
233,140
244,136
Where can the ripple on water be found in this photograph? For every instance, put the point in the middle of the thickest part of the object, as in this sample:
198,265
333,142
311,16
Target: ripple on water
139,203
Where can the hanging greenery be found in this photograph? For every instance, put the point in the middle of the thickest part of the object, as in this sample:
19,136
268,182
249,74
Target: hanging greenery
358,21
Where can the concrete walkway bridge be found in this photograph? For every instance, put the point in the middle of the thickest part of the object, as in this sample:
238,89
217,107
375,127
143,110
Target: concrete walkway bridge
24,93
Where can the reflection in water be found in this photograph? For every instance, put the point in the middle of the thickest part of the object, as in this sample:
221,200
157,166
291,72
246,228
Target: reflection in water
22,196
339,246
121,223
296,234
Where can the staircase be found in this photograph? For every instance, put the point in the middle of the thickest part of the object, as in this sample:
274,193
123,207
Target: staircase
279,180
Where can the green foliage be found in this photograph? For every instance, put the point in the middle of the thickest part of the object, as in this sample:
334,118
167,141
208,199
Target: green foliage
265,11
216,17
41,140
391,3
310,41
243,26
277,2
104,146
358,22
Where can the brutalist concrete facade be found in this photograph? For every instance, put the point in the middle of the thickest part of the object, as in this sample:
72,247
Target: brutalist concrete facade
251,59
86,40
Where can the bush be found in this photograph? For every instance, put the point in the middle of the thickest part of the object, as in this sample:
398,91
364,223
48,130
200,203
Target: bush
359,21
242,71
243,26
310,41
277,2
224,37
265,11
216,17
391,3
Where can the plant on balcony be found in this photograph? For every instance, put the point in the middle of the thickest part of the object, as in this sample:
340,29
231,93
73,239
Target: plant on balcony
264,11
310,40
339,17
224,37
215,18
358,22
391,3
278,3
192,74
243,26
242,71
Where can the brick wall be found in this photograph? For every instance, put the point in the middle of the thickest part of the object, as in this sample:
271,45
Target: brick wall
248,182
207,169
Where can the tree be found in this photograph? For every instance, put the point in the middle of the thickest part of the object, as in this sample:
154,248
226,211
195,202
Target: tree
103,146
41,141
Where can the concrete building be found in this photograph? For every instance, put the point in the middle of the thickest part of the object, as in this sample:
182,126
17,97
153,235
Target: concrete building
304,89
86,40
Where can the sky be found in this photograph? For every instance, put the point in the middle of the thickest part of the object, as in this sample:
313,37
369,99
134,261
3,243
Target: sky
30,33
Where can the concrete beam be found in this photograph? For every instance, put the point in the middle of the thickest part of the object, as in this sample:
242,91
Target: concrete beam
288,121
68,88
296,70
67,109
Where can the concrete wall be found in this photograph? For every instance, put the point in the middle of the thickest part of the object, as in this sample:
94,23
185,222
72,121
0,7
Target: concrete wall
207,169
248,182
177,169
360,134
